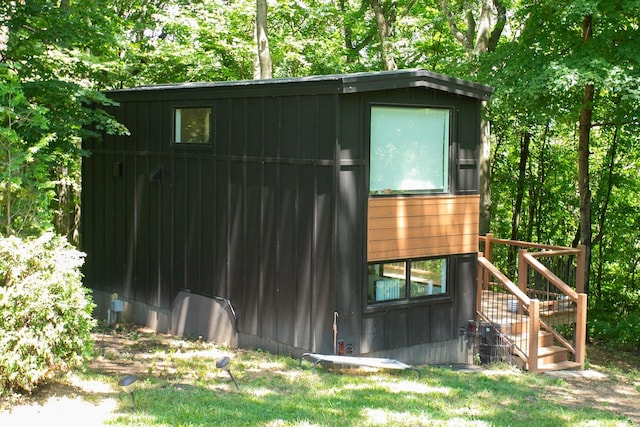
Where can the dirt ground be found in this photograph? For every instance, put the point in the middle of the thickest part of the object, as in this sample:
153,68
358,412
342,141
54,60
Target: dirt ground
80,402
602,388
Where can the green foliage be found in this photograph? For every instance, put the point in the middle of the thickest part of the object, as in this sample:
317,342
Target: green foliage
186,41
539,78
55,55
46,320
25,189
617,332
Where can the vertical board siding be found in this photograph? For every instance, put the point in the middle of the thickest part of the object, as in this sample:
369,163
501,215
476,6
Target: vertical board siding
350,264
285,284
465,272
270,241
274,215
254,247
421,226
323,266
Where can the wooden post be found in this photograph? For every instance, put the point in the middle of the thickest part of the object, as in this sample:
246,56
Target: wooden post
487,246
523,271
534,331
479,286
581,329
580,269
487,255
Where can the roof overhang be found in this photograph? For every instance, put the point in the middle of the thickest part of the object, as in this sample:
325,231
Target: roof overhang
315,85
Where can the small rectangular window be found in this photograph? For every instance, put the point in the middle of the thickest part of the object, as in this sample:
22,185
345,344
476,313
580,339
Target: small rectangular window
409,151
192,125
387,281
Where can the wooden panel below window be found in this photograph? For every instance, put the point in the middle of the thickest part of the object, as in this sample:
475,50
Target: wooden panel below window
422,226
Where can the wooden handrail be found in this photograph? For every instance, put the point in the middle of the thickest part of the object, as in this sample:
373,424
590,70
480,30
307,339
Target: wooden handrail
504,280
526,244
548,274
555,252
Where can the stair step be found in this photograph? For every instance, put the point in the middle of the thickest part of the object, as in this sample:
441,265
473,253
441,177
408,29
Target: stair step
510,326
552,354
545,339
559,366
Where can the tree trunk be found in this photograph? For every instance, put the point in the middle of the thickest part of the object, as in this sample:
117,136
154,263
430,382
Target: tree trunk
4,39
67,212
483,31
352,46
583,161
264,70
599,238
522,171
481,34
385,31
485,176
4,35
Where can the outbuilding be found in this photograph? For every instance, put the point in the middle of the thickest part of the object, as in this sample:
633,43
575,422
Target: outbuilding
327,214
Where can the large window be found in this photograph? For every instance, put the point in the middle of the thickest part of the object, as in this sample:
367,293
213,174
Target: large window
192,125
409,150
406,280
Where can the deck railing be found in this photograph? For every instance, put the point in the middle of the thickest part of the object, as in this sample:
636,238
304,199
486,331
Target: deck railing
546,295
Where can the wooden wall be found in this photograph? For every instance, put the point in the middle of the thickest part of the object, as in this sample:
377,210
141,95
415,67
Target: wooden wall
422,226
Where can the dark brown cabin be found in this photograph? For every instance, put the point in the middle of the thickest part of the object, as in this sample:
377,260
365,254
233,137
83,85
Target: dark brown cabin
324,214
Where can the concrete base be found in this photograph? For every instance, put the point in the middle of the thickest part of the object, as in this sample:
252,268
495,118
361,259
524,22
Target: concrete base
191,315
213,319
456,351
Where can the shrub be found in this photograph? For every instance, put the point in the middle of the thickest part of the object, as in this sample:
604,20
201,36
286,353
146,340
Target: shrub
45,312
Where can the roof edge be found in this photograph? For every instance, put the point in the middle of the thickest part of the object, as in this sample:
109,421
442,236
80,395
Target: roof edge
332,83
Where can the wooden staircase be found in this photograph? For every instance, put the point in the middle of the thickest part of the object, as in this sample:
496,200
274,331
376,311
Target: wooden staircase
539,303
551,357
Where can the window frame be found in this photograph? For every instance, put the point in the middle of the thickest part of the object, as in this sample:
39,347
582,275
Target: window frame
448,149
175,108
408,299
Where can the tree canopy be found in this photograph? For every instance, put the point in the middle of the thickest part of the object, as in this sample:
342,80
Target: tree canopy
564,116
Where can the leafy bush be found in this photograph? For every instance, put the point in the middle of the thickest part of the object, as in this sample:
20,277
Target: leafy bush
45,320
614,319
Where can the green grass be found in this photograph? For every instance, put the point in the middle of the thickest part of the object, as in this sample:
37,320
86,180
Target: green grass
287,395
179,385
182,387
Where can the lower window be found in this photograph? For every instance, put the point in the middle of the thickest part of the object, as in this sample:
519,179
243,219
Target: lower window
406,279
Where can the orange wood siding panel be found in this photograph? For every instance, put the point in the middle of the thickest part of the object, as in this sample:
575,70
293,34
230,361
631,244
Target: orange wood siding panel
412,227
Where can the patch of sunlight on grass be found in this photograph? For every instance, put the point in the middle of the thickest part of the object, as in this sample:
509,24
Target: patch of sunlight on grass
133,419
469,408
415,387
64,410
89,385
282,423
462,422
383,417
263,366
260,392
601,423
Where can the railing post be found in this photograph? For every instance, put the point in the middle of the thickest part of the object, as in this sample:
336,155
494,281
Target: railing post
479,286
581,329
487,246
523,271
487,255
580,270
534,331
